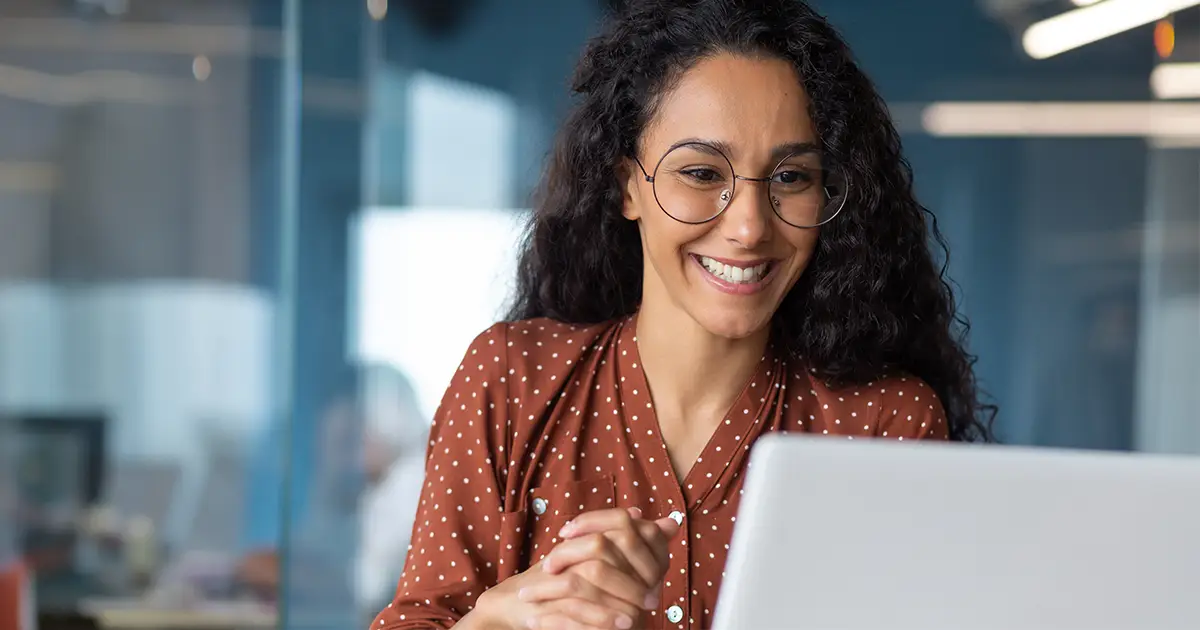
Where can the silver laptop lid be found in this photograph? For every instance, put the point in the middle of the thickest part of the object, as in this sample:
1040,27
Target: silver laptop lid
876,535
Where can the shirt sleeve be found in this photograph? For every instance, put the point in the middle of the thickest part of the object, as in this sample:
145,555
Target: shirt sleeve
911,411
456,536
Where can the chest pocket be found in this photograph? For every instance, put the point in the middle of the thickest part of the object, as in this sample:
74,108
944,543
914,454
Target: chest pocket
549,506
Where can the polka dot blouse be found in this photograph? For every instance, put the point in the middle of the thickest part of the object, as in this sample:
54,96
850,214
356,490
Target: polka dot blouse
544,421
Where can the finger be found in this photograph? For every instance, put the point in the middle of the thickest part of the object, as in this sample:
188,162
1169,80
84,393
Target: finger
604,520
555,621
587,614
549,589
648,556
572,585
596,522
572,552
668,526
658,541
639,553
619,584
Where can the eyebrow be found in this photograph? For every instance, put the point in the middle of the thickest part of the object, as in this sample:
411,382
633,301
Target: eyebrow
779,152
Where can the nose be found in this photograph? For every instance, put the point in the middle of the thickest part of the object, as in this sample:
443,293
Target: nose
748,220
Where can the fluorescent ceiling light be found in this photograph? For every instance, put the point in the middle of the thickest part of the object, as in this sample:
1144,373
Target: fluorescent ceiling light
1088,24
1155,120
1176,80
92,86
1176,143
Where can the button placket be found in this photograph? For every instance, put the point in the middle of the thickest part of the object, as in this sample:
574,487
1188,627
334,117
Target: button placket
677,582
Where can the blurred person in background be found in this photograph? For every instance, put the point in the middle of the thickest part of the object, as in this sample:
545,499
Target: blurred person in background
364,487
726,243
395,464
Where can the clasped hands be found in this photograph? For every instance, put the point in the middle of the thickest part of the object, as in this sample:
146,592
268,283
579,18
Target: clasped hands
607,570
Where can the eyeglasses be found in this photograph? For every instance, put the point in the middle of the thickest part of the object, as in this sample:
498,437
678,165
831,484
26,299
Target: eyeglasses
694,183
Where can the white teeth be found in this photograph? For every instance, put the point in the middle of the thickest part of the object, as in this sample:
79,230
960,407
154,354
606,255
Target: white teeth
738,275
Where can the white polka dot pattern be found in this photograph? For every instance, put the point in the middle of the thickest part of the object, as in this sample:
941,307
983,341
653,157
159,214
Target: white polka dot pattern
544,421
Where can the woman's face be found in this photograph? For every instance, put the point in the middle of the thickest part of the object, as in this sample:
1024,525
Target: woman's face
729,274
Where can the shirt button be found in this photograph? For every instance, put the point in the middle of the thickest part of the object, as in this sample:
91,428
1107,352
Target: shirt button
539,506
677,516
674,614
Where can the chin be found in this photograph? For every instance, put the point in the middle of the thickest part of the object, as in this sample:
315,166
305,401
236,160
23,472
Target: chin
734,325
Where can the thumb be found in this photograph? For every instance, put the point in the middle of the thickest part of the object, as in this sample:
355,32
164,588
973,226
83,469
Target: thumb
667,526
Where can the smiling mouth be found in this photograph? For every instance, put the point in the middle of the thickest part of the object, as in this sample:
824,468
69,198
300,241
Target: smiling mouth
733,274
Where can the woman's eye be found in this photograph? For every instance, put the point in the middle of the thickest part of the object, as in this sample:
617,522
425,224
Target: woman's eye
702,174
792,177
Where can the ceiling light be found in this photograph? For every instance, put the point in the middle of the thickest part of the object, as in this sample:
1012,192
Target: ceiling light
1065,119
1176,80
1088,24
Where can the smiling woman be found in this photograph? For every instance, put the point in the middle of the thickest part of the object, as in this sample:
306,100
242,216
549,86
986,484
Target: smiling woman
726,244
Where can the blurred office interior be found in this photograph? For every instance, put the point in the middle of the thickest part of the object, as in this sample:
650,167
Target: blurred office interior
243,244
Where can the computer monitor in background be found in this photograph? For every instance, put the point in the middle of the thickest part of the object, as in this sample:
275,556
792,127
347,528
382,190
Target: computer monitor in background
59,469
60,459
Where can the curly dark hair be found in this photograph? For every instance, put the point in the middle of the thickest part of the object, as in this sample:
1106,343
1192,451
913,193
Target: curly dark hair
871,300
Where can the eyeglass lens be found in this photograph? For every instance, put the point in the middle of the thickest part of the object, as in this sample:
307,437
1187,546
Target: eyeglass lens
695,182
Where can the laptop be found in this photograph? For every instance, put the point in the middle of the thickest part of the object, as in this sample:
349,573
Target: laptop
879,535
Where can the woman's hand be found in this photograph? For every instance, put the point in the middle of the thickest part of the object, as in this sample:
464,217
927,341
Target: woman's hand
619,538
540,600
601,577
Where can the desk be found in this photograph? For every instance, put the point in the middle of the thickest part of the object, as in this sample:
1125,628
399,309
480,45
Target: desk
111,614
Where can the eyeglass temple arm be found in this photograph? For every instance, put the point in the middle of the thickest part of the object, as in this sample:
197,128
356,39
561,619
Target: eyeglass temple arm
648,177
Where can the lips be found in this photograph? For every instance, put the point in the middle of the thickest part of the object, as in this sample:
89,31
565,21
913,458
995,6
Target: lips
737,277
749,272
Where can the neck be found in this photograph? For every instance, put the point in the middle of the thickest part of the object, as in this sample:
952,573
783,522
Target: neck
693,373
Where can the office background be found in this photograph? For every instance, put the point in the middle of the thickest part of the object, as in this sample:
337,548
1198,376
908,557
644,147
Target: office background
243,244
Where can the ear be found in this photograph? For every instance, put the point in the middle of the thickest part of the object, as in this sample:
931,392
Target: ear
630,177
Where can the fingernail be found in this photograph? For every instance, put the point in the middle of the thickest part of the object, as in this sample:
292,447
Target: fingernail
635,512
566,529
651,601
624,623
523,594
531,623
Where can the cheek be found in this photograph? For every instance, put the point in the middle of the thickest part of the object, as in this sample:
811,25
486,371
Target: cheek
804,245
663,237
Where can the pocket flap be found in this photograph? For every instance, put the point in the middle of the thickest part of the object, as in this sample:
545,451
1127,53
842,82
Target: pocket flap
565,499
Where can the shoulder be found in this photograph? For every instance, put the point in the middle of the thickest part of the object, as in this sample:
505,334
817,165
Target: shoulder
511,346
530,352
908,407
541,345
533,335
895,404
902,391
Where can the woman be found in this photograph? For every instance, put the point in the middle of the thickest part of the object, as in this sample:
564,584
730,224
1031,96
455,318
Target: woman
726,244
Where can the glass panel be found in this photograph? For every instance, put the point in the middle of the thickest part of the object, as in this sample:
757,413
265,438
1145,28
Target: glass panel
1069,199
140,305
9,506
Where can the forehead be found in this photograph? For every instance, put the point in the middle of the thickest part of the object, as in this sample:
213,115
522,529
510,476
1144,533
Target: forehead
748,103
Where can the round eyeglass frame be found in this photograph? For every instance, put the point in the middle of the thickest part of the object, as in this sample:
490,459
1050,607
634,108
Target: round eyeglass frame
733,186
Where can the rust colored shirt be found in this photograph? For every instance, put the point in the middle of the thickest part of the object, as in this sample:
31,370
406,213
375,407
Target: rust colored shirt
544,421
